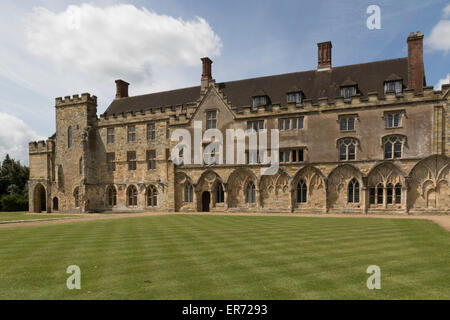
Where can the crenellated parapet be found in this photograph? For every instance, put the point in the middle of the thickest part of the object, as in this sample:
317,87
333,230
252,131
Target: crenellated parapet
75,99
41,146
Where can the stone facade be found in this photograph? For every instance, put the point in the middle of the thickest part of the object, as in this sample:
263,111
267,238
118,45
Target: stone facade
72,171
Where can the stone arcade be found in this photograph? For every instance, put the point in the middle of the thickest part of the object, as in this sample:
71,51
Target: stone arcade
364,138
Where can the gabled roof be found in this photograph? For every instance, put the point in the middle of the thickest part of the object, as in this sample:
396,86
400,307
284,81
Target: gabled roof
369,77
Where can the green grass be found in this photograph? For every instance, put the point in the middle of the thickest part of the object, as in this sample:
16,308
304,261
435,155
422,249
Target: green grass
23,215
227,257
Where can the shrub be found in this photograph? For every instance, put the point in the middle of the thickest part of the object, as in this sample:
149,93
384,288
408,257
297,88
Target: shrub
14,202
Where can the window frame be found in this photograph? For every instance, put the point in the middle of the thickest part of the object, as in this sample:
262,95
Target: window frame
110,135
131,133
151,131
353,143
132,161
151,161
211,122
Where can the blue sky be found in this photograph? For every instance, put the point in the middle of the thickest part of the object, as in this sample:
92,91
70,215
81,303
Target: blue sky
159,48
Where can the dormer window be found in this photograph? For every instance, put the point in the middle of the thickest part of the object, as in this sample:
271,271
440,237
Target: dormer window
294,97
259,101
393,87
348,91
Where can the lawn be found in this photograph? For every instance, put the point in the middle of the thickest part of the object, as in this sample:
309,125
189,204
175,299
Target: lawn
227,257
23,215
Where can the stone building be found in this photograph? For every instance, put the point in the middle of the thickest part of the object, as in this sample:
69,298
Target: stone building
364,138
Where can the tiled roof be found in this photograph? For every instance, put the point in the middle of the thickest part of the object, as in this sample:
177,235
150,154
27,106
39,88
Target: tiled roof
369,77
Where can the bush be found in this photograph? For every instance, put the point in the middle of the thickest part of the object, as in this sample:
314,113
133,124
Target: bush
14,202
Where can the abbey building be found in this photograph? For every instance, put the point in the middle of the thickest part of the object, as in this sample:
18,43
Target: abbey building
364,138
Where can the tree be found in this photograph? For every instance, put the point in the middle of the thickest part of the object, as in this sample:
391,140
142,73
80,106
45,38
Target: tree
14,184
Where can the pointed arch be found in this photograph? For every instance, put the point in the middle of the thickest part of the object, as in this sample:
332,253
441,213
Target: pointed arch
308,189
275,191
132,196
429,184
236,187
40,198
338,187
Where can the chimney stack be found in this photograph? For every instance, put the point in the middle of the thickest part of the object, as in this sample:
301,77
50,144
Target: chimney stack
121,89
416,73
324,55
206,73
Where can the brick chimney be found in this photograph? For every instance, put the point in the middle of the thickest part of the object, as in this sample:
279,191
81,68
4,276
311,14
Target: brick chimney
416,73
324,55
206,72
121,89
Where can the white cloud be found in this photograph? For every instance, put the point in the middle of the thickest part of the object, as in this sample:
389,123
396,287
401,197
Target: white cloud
119,41
439,39
14,137
446,80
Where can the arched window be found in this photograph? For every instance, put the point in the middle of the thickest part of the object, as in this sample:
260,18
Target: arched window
76,195
398,193
389,193
69,137
132,196
347,149
112,196
393,146
188,193
219,193
380,193
55,204
301,191
152,196
80,166
353,191
250,193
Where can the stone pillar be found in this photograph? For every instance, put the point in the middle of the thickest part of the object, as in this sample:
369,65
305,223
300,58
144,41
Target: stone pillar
225,196
384,197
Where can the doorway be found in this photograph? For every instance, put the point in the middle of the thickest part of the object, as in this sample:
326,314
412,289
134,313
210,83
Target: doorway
40,199
206,196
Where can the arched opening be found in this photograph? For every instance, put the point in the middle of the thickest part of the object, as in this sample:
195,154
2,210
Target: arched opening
132,196
206,198
302,192
219,193
250,192
353,191
55,204
40,202
152,196
398,193
112,196
188,193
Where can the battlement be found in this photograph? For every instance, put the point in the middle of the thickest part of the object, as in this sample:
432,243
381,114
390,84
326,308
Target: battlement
75,99
41,146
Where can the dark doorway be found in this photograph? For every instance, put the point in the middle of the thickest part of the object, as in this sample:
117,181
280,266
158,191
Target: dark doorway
55,204
205,201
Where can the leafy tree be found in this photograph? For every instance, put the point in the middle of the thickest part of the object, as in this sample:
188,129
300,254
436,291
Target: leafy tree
13,184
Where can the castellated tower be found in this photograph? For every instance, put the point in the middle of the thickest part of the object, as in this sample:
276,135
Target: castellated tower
75,146
63,166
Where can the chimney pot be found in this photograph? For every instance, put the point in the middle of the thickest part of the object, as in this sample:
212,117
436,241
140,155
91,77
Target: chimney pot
416,73
121,89
324,55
